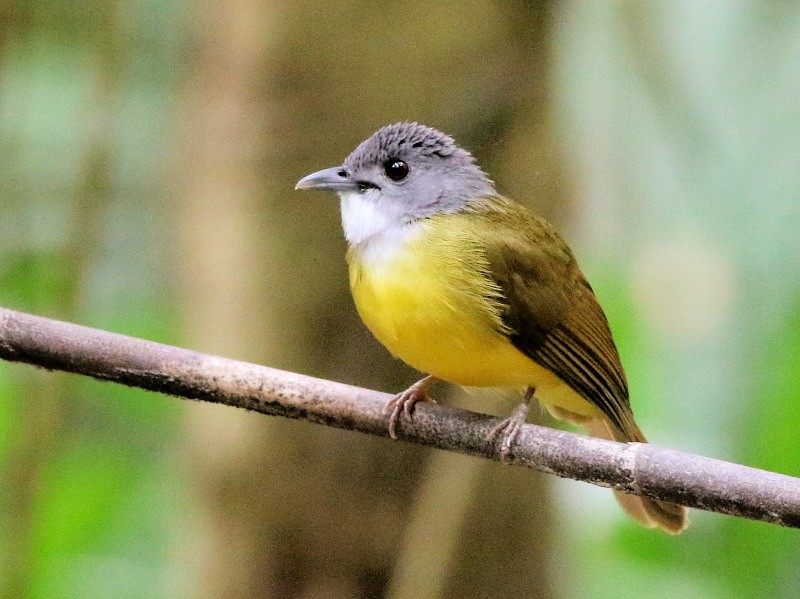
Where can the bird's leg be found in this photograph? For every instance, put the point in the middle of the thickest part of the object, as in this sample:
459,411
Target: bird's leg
508,429
404,402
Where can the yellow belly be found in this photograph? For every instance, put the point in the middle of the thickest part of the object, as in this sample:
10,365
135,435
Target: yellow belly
430,302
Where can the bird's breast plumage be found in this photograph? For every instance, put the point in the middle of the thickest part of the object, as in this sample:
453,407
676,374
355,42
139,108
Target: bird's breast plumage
424,291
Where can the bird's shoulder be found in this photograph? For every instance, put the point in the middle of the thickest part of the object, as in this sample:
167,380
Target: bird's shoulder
529,260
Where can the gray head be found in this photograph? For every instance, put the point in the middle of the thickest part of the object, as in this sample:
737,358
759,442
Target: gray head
402,173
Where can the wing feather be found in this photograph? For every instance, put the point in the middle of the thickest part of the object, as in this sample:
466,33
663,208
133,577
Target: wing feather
551,313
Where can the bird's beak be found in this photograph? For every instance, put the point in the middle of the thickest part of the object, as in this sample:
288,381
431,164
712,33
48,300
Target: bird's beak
330,179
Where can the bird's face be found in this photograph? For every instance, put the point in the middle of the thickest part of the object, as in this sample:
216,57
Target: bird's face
401,174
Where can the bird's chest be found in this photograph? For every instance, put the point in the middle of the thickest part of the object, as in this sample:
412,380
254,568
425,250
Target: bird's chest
427,299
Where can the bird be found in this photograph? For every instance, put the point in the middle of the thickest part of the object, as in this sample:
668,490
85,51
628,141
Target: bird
472,288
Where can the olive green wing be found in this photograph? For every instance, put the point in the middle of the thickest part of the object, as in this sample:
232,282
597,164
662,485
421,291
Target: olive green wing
551,313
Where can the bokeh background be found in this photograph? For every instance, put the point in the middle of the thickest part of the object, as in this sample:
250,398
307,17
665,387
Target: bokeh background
148,152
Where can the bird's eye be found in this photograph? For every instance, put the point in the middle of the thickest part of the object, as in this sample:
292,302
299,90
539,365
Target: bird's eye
396,170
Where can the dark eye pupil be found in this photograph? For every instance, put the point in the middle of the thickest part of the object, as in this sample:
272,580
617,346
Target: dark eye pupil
396,170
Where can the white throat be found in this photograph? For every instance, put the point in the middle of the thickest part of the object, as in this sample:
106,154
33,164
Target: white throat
373,232
362,217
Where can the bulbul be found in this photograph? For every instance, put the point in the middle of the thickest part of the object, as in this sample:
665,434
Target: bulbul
471,288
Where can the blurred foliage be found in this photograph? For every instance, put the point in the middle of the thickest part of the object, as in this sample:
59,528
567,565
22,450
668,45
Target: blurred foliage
678,120
147,155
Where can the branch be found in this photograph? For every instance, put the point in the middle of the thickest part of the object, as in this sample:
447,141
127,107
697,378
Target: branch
642,469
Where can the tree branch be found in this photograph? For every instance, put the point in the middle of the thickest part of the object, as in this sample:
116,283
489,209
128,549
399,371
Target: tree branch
642,469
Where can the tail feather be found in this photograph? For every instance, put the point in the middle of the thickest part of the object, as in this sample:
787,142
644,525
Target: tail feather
650,513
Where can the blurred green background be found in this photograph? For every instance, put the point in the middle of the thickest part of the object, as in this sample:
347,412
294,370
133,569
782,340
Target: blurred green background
148,151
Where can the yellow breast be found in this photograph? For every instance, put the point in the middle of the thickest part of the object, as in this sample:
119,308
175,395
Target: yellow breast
425,293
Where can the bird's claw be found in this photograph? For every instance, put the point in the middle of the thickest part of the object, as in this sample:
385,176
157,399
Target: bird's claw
508,429
403,403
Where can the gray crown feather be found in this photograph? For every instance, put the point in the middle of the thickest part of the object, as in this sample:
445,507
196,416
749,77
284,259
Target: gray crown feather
401,140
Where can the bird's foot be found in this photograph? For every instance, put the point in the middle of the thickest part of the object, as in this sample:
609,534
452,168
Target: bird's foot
508,429
403,403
